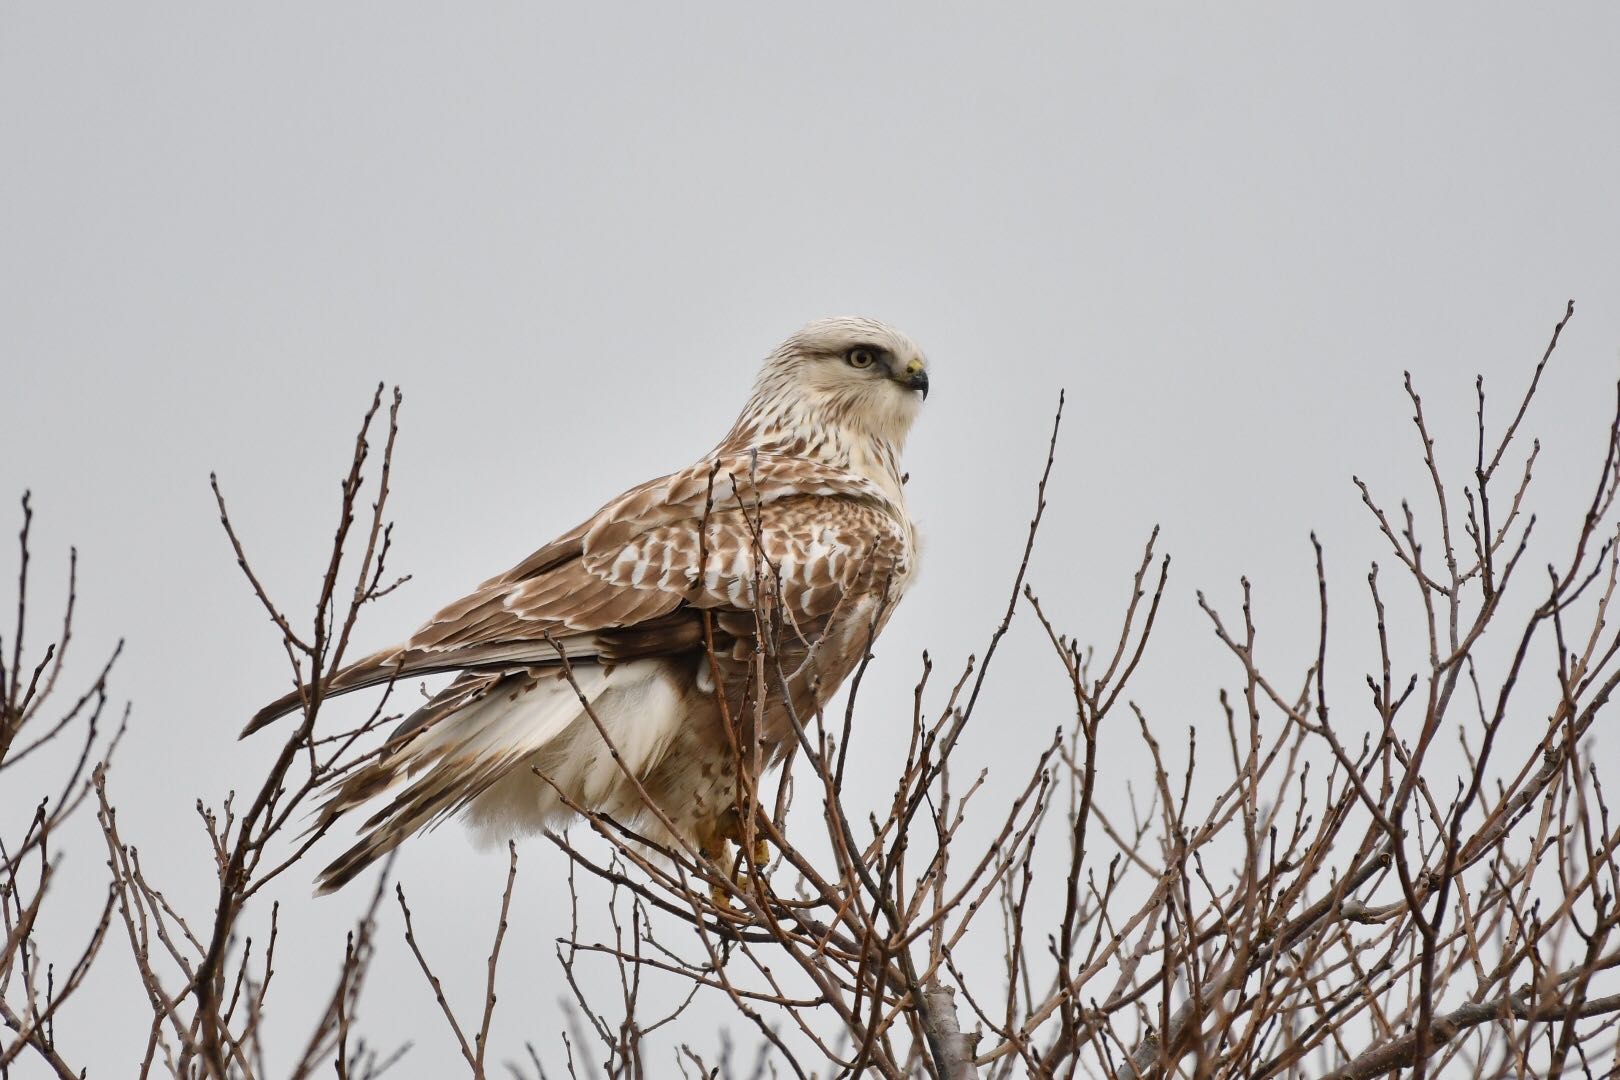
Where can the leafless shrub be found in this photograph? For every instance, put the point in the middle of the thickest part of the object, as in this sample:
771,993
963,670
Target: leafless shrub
205,975
34,720
1324,895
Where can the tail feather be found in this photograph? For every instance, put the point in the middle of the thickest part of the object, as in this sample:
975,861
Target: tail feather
452,750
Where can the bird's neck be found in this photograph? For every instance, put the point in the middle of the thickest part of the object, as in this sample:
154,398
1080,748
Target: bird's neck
874,456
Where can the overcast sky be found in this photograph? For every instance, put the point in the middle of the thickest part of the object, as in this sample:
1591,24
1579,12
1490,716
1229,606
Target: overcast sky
570,232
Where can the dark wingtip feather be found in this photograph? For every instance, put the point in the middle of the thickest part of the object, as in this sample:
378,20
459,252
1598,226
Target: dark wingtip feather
271,713
365,672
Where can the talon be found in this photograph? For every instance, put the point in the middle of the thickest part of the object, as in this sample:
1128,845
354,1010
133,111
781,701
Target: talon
711,844
761,855
729,827
719,897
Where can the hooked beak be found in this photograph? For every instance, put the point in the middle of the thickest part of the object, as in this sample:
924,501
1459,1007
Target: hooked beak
914,377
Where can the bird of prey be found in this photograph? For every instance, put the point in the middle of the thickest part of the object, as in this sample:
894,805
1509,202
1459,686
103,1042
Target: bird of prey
603,670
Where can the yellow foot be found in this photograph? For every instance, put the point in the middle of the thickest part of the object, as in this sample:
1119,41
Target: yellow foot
715,849
729,826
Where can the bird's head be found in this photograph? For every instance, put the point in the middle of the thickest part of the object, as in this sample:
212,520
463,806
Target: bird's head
847,375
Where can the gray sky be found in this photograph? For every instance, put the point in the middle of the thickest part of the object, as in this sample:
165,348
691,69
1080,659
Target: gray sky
569,233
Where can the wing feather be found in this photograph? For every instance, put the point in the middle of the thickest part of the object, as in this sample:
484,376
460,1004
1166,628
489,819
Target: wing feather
654,558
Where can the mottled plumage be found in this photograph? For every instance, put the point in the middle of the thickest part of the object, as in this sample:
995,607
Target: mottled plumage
801,503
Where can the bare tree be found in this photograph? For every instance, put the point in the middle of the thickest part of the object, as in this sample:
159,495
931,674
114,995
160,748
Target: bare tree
1383,914
1324,895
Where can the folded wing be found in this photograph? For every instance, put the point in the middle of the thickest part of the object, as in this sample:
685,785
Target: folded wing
633,580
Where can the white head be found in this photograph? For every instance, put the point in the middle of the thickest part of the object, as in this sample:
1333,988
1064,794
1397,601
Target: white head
836,383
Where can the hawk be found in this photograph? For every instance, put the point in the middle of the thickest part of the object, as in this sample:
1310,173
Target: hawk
603,670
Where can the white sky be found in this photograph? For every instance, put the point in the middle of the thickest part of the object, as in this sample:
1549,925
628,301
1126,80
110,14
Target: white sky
570,232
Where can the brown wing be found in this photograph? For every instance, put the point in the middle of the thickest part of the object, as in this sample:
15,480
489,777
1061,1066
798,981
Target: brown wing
632,580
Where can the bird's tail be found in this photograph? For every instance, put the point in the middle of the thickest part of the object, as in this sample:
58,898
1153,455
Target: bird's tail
456,747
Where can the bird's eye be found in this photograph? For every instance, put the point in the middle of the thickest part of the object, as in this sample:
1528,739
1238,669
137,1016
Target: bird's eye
862,358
